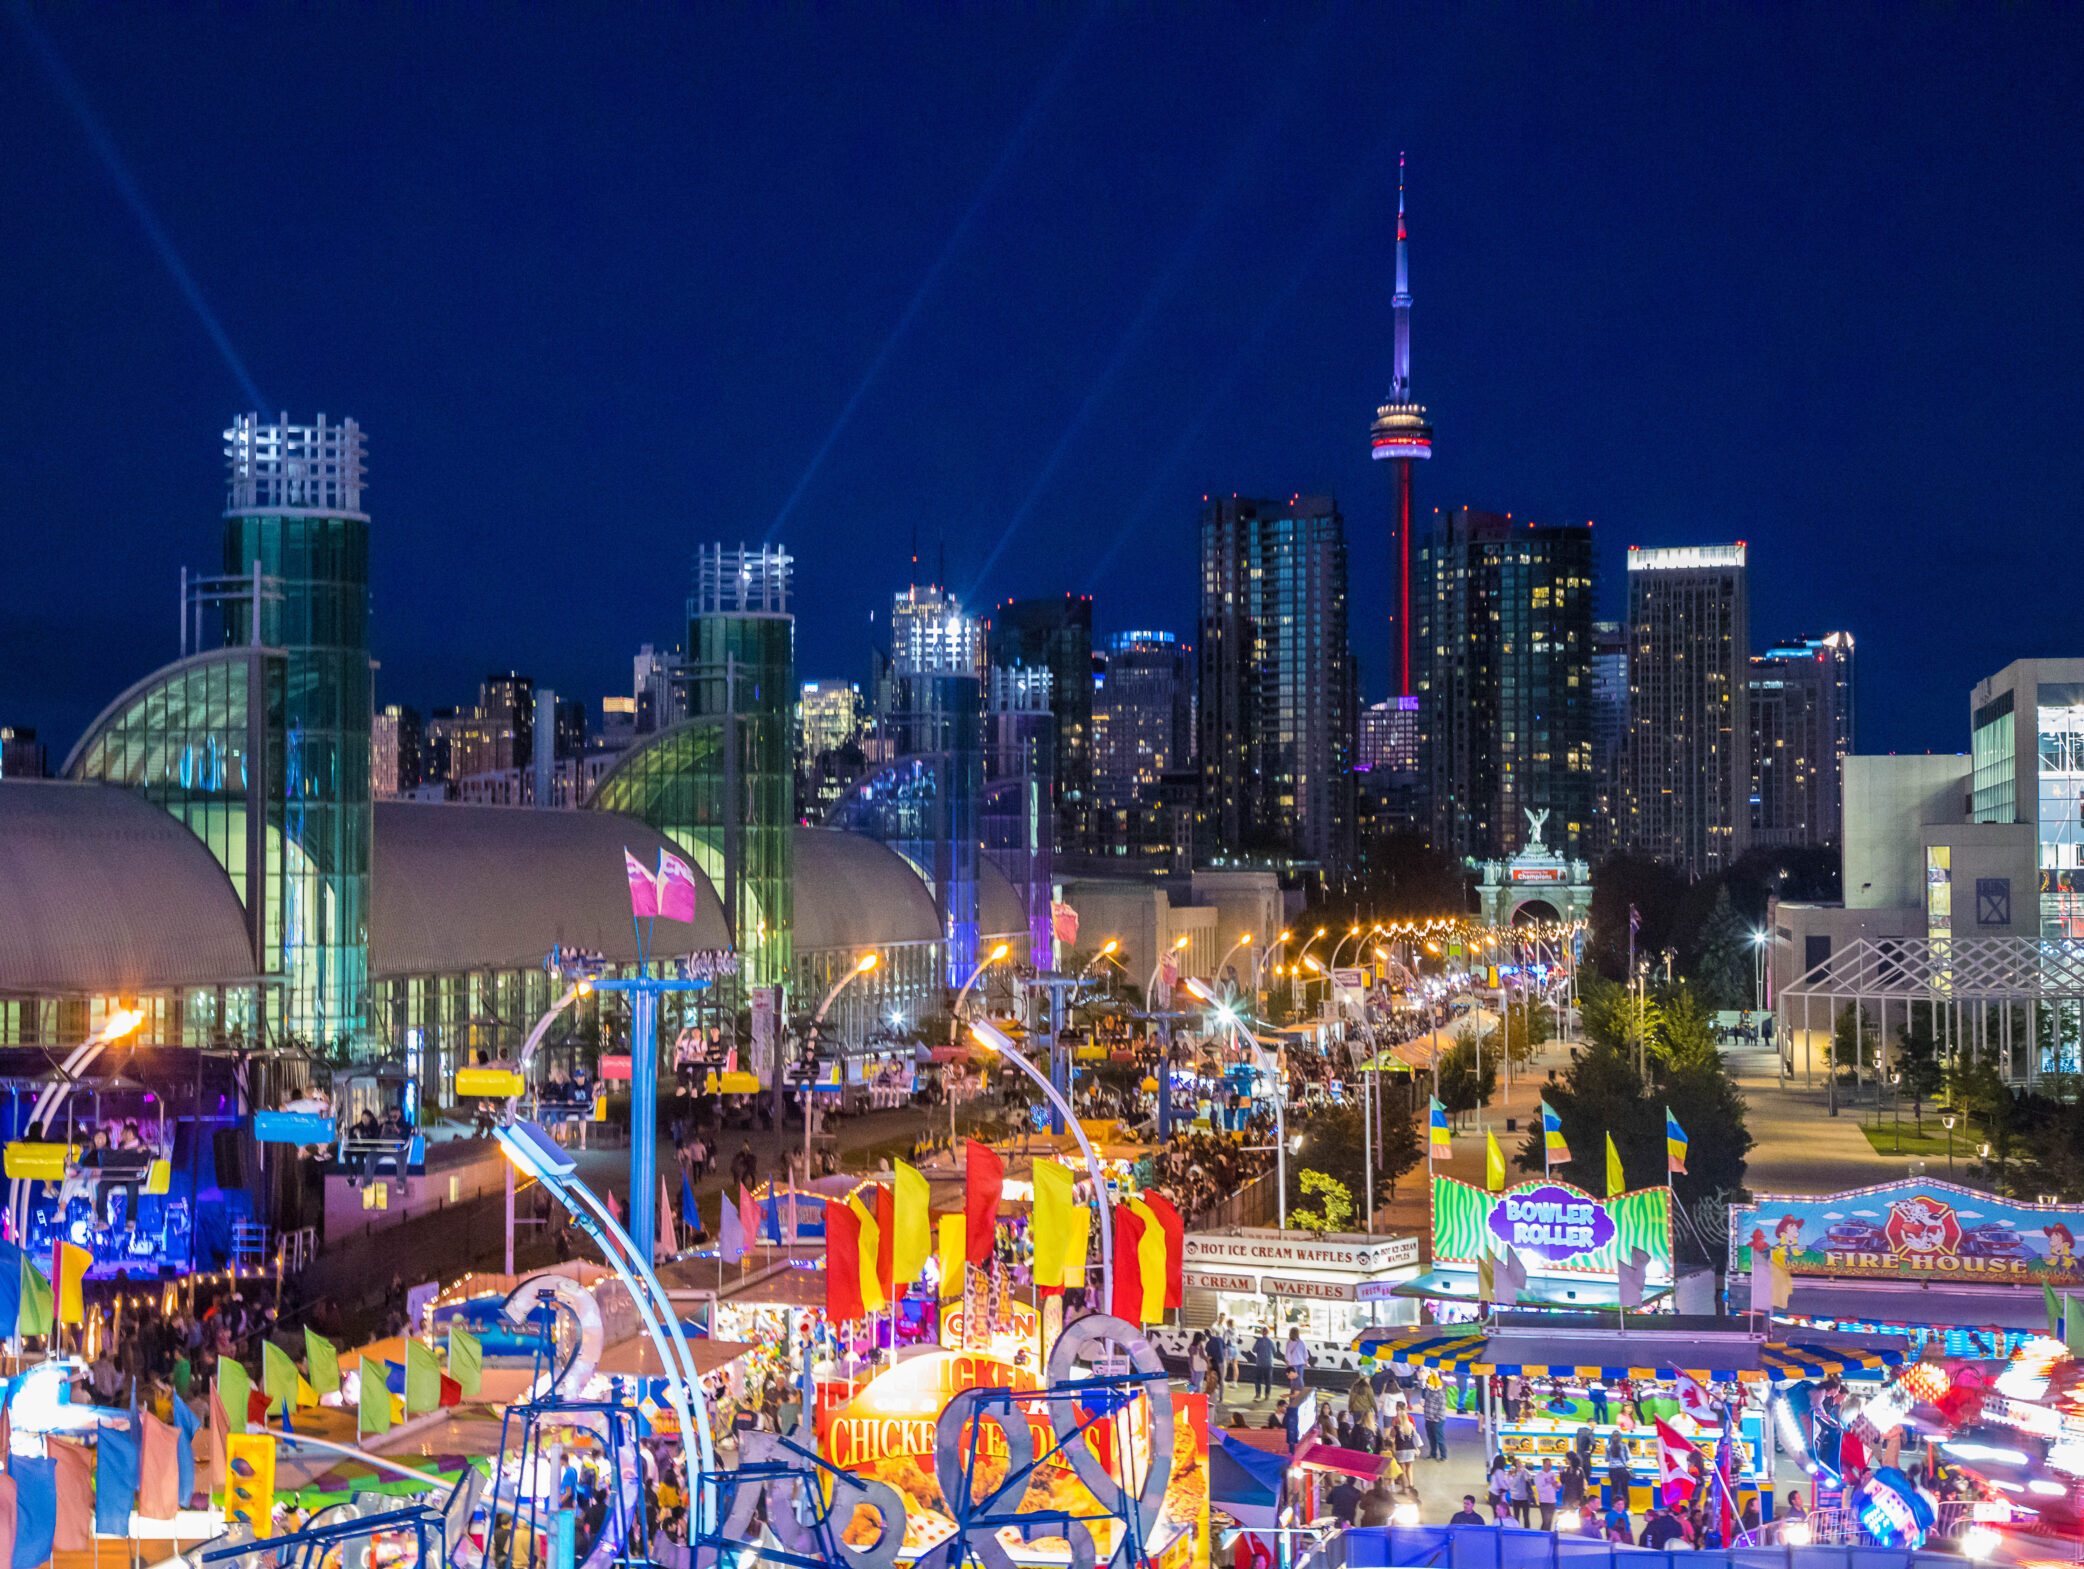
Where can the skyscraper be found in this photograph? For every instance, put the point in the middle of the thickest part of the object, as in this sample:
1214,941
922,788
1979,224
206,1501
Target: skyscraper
1801,731
1609,731
1400,436
1277,684
1057,635
506,703
1143,716
1687,764
1507,626
395,751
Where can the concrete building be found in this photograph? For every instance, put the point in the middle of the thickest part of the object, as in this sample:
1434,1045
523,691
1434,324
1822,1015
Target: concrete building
2027,751
1687,763
1278,691
1506,626
1801,716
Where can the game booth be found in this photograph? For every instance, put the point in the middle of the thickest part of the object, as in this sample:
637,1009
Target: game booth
1920,1260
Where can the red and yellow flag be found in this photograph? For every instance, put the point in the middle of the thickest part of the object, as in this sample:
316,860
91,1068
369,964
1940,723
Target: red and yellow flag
843,1263
1175,1246
873,1297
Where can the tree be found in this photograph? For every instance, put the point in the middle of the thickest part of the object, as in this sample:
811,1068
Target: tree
1723,974
1612,1016
1683,1037
1847,1050
1528,1023
1468,1078
1336,1206
1400,1142
1917,1059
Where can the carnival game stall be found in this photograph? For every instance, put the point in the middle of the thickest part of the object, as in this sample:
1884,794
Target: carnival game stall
1621,1380
1929,1262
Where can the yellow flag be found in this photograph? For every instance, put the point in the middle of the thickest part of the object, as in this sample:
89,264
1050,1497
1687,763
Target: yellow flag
872,1298
72,1264
1052,1220
1493,1163
1077,1237
1150,1261
914,1239
1486,1278
1616,1183
953,1233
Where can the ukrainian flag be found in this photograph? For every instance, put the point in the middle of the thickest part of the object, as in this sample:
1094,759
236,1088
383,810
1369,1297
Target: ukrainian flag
1440,1141
1552,1144
1674,1143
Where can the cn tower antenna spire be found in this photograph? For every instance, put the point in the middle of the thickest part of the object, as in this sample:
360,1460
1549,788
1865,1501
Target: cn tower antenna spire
1400,436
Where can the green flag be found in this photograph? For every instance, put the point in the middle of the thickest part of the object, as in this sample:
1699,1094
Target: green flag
2054,1311
233,1388
422,1379
466,1360
37,1313
374,1414
325,1364
278,1378
2073,1324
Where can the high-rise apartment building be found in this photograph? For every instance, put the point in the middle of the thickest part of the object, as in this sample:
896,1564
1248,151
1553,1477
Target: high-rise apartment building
507,705
828,715
1687,762
1506,625
1389,736
1609,732
659,688
1143,716
1057,635
1277,685
394,751
1801,712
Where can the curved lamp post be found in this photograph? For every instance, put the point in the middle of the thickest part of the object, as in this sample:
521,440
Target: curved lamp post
1339,947
1151,985
955,1027
861,966
1106,953
993,1039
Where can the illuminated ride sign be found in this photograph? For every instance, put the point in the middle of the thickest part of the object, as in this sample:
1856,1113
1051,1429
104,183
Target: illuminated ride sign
973,1461
1913,1230
1562,1228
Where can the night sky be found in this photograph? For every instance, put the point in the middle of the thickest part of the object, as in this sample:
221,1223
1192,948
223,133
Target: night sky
1030,280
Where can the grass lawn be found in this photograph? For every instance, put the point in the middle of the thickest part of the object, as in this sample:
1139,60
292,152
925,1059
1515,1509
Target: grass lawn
1883,1136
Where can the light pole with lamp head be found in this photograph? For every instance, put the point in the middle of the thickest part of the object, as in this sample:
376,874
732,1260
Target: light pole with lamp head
1106,953
995,1040
955,1028
1151,985
860,966
1950,1119
1228,1015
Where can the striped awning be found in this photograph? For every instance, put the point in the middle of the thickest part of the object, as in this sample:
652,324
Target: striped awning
1451,1351
1794,1359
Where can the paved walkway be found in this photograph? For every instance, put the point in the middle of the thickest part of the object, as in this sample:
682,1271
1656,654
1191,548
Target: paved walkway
1798,1146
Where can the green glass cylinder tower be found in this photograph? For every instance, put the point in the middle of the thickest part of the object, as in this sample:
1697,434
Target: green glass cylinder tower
295,515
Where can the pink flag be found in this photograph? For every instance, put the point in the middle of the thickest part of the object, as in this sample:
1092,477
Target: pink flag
748,1213
1064,920
668,1237
643,886
676,888
792,1236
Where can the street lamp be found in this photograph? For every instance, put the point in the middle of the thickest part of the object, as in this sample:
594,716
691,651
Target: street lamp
1106,952
1315,965
119,1023
992,1039
861,966
1151,985
1950,1119
1339,947
955,1025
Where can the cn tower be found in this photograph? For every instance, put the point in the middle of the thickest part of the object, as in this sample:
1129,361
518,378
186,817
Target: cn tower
1399,436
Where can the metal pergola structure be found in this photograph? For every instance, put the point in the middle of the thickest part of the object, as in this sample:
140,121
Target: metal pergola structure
1974,987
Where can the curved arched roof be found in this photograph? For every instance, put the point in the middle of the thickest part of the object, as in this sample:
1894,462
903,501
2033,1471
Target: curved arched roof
852,892
103,893
999,910
493,887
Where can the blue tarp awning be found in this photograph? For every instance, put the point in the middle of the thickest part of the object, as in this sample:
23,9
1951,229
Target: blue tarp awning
1243,1482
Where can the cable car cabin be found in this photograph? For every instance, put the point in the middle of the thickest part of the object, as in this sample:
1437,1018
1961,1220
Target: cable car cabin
377,1112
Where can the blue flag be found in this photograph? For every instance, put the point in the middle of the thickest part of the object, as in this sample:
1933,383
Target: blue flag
35,1509
688,1208
116,1457
187,1423
771,1222
730,1235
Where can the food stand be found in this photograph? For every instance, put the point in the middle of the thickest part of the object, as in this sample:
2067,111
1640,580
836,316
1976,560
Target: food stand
1919,1259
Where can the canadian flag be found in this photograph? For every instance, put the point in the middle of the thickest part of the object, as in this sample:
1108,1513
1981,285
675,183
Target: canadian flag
1694,1399
1674,1473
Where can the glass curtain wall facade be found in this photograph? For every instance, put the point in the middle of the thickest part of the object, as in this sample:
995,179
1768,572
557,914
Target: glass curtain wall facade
204,740
294,513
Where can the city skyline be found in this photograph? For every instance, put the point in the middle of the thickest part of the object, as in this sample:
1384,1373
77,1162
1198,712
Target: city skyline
1697,316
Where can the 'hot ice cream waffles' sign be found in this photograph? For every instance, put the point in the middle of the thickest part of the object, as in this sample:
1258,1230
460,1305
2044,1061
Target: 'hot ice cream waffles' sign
1560,1227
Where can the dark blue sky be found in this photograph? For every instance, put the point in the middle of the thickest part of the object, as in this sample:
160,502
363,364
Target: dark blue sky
600,285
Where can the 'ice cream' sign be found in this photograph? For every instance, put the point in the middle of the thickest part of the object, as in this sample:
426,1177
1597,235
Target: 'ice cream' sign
1551,1223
